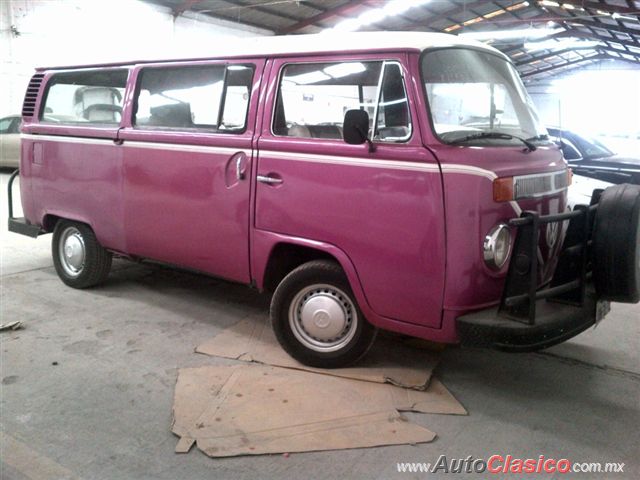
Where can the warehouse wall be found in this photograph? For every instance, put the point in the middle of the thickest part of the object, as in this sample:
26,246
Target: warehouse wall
602,99
62,32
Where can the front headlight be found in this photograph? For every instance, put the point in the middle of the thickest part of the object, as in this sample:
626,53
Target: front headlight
496,246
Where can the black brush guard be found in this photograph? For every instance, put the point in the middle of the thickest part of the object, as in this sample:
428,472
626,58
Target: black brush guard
529,318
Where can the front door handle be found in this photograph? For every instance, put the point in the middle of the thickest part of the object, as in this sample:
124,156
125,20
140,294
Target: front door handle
269,180
239,170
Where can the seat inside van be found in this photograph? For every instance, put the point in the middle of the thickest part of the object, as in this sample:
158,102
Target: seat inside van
173,115
315,131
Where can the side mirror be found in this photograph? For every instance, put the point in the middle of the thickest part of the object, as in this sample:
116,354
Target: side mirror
355,128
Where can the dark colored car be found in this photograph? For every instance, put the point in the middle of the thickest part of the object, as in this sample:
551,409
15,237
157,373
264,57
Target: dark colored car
590,158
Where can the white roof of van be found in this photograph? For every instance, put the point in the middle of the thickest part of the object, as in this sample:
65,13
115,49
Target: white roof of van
329,42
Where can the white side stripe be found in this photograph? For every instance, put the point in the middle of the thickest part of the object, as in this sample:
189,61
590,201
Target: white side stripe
176,147
65,139
354,161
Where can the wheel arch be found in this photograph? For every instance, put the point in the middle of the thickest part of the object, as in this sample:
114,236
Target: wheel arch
275,255
285,257
50,220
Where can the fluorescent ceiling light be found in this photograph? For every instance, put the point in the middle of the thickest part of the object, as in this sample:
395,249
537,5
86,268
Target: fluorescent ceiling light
397,7
559,45
617,16
311,77
507,34
340,70
375,15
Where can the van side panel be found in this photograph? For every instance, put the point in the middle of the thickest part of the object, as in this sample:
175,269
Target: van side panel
75,177
383,209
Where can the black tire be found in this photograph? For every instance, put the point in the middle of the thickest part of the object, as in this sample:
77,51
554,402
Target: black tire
325,281
80,271
616,244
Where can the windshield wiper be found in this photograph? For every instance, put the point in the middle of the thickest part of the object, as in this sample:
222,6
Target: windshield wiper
500,136
544,136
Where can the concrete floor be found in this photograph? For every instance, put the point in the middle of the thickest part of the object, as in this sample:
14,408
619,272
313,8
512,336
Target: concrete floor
87,385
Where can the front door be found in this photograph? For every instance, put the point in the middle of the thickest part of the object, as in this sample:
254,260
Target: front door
187,159
383,208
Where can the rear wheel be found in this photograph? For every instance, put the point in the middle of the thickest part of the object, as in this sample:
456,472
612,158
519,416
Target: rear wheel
616,244
79,259
316,318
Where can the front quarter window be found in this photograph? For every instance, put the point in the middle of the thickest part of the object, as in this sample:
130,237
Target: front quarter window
472,92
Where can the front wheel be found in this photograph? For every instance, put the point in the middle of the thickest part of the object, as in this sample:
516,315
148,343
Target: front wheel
316,318
79,259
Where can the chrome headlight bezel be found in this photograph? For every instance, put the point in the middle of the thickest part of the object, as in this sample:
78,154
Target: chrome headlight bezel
496,247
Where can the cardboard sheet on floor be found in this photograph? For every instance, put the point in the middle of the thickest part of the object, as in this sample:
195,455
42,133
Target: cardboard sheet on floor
389,361
254,409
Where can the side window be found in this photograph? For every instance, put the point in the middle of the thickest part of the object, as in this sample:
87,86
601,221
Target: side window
569,152
15,126
313,98
85,97
212,97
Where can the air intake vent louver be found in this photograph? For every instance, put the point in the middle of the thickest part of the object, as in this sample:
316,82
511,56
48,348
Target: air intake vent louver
530,186
30,98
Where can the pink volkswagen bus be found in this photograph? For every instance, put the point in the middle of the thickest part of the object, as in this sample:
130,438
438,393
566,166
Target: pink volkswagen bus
400,181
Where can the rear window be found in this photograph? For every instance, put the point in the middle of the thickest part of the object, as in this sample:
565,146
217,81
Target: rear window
211,97
91,97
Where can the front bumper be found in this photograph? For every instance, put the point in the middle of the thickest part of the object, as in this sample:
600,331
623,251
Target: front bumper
529,318
554,323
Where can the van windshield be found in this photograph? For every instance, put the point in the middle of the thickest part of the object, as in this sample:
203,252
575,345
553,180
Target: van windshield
472,93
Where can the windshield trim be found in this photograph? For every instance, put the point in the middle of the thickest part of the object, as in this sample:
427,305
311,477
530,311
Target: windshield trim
500,55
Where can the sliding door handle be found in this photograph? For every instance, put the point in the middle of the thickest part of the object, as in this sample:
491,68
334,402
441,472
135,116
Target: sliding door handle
269,180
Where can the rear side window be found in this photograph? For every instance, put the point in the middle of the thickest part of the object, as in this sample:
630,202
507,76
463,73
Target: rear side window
313,99
212,97
92,97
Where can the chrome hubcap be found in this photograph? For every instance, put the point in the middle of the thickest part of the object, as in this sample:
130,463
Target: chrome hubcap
72,251
323,318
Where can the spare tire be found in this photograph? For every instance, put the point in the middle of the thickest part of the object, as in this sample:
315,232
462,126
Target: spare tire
616,244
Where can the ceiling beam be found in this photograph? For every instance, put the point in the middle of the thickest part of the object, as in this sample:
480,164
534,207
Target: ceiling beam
553,54
603,7
593,35
620,52
184,6
572,33
256,7
599,56
596,48
447,15
603,26
577,63
343,10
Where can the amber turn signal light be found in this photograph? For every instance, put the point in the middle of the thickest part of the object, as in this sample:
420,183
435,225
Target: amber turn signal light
503,189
